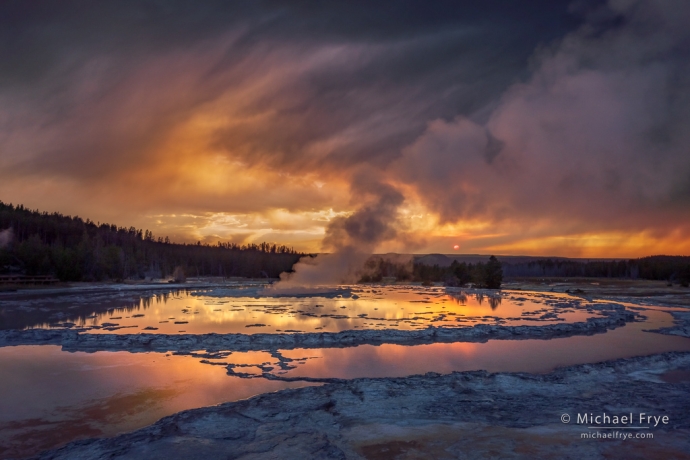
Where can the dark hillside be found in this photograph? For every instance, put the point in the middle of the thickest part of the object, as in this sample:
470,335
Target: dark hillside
73,249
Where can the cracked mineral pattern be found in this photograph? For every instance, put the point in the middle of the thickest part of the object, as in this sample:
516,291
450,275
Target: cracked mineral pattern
341,339
459,415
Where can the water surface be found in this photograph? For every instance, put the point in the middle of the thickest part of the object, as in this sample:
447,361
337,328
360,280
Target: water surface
50,397
203,311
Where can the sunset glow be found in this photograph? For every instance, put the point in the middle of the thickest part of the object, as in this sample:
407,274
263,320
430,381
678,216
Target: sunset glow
247,131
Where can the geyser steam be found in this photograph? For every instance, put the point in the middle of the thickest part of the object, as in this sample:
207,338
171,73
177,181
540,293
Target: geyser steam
5,237
350,240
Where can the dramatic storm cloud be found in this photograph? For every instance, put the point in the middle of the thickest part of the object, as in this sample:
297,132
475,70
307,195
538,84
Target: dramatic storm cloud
595,140
521,127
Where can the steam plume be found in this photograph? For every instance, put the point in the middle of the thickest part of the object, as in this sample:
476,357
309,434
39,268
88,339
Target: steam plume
5,237
350,240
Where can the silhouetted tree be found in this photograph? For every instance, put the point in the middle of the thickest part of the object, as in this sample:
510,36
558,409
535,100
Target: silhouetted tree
493,273
459,275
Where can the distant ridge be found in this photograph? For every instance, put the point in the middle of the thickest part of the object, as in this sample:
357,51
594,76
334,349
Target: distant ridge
444,260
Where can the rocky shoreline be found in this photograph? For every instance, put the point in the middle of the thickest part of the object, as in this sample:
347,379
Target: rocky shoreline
78,340
459,415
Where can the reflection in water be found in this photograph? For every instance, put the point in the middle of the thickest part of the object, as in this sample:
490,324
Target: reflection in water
536,356
50,397
494,302
461,298
389,360
368,307
81,309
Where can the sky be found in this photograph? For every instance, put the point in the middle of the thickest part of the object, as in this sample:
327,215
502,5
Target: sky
545,127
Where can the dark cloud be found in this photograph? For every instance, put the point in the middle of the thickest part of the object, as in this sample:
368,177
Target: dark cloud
572,115
596,138
95,86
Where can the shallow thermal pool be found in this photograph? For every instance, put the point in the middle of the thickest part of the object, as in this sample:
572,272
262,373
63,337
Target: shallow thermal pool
248,311
51,396
534,356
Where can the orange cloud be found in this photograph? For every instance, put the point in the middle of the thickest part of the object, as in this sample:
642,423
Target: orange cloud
243,136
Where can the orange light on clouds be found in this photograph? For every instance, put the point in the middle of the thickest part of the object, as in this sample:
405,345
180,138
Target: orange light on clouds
612,244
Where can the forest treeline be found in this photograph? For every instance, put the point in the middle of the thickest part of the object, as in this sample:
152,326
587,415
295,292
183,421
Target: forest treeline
73,249
674,269
484,275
